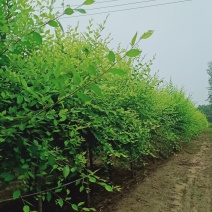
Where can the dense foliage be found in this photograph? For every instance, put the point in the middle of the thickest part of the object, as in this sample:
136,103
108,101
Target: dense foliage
65,94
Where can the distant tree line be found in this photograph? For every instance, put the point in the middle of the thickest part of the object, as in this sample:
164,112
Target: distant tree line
209,71
207,109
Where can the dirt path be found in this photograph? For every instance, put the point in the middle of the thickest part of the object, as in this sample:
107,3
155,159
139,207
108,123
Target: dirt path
182,184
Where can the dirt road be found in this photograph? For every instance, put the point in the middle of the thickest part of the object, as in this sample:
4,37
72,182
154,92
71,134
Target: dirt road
181,184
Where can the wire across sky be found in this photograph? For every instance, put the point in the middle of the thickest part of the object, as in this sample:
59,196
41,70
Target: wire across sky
105,11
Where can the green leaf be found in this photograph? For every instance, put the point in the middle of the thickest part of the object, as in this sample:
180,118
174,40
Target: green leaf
73,169
85,209
96,89
66,171
92,70
75,207
57,72
3,94
60,202
22,127
81,11
92,179
53,23
81,203
12,48
147,34
42,167
88,2
4,113
68,11
111,56
9,177
133,53
37,37
117,71
31,174
51,160
108,188
4,59
67,191
58,190
76,78
26,208
83,97
48,196
21,177
24,83
25,166
92,209
20,99
16,194
55,122
81,188
134,39
63,112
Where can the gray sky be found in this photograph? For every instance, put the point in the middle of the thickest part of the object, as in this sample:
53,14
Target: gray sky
182,40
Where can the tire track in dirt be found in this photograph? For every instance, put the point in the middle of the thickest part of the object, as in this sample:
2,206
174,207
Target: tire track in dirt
188,195
181,184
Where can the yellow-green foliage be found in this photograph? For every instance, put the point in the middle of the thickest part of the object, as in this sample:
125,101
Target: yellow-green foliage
178,118
72,91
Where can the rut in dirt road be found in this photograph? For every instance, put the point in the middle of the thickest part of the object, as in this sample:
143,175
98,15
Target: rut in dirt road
195,194
182,184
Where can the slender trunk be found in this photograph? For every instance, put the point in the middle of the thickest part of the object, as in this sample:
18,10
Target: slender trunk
131,163
40,203
90,156
88,183
131,169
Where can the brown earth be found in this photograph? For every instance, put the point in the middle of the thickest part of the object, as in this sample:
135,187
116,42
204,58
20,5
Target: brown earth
182,183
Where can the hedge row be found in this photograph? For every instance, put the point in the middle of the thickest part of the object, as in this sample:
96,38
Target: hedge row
67,94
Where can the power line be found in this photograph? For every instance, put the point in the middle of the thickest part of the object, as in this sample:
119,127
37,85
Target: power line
135,8
111,5
117,5
93,3
104,1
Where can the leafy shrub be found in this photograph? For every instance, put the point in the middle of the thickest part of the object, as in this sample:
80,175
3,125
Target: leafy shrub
65,93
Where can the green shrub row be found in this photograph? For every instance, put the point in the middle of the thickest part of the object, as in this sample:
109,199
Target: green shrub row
67,93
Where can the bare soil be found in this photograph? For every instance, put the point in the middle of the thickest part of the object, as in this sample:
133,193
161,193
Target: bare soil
182,183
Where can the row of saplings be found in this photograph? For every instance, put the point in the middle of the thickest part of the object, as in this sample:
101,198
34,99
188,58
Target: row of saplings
77,109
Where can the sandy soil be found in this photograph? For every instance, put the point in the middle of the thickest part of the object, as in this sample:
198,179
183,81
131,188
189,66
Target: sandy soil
183,183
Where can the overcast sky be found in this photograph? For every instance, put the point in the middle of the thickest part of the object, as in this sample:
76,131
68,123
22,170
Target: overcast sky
182,39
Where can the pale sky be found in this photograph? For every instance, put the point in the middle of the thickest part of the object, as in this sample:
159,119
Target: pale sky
182,39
